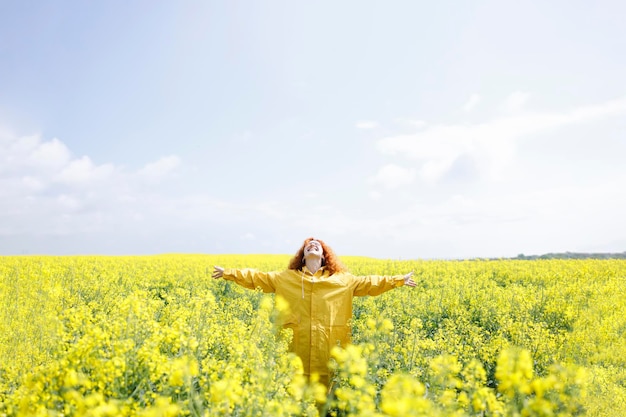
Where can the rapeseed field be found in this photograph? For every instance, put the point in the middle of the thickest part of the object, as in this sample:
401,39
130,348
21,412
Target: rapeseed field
157,336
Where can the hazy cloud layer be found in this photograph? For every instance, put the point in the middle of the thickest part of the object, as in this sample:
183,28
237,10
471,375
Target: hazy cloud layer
45,189
491,145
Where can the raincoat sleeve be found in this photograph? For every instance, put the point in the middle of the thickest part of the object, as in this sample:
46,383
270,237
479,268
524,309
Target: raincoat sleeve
252,279
376,284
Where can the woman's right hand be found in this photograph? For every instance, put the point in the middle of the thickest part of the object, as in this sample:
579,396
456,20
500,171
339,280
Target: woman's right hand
218,272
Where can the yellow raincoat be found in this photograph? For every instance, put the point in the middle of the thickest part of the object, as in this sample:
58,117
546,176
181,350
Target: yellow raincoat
320,307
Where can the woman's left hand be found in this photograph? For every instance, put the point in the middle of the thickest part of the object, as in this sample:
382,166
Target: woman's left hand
408,280
218,272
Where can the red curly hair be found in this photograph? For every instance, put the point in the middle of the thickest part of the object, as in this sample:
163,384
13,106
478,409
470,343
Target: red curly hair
330,260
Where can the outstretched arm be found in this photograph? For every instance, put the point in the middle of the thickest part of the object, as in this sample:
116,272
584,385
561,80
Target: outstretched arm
376,284
248,278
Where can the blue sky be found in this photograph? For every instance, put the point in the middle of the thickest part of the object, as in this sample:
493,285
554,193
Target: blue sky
398,129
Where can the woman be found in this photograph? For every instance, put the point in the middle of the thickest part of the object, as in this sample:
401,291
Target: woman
319,291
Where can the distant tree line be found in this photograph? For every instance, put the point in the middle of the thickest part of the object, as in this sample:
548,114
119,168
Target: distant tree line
573,255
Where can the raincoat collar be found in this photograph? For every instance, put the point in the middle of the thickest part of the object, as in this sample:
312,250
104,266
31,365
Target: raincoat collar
320,271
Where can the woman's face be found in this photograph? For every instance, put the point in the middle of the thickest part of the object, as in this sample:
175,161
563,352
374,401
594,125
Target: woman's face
313,248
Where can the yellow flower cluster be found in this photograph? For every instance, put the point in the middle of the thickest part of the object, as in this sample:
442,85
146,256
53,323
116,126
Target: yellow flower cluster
157,336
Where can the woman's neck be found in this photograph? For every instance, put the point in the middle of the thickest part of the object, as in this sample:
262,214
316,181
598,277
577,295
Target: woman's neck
313,264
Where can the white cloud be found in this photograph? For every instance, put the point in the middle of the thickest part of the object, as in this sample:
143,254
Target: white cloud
32,183
366,124
84,172
516,101
44,190
490,145
69,202
472,102
433,170
52,154
393,176
248,236
160,168
375,195
418,124
437,221
37,163
29,153
500,222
